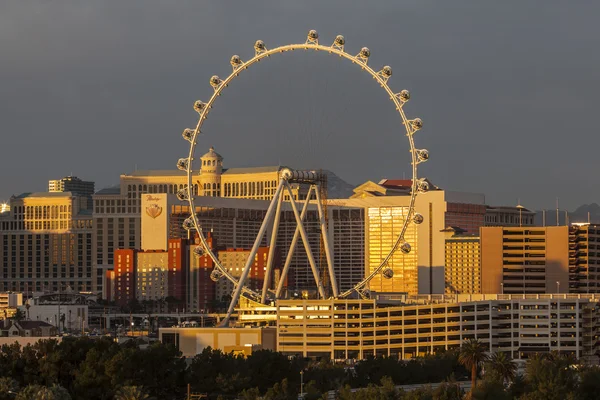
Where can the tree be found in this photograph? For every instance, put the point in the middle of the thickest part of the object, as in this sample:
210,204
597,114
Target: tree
589,383
472,354
387,391
8,386
18,315
250,394
501,365
490,389
550,377
37,392
55,392
280,391
131,393
29,393
448,390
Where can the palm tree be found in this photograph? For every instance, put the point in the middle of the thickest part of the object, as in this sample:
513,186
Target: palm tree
131,393
503,366
472,354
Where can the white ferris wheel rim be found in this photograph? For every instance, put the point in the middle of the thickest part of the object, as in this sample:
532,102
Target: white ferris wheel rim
361,59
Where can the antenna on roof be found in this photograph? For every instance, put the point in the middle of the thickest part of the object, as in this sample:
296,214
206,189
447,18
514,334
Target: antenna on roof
557,217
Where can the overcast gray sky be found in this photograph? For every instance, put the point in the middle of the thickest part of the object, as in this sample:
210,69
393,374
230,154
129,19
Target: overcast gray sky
508,91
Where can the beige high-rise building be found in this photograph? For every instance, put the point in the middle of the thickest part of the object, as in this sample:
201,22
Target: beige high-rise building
463,267
541,259
46,243
525,259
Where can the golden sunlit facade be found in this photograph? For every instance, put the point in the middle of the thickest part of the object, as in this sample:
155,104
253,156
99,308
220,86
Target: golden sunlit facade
58,212
384,225
152,270
46,243
463,265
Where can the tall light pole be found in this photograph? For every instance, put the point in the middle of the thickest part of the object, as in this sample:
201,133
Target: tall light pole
557,286
520,207
302,384
502,287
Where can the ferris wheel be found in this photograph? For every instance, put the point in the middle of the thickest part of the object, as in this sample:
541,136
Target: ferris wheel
312,178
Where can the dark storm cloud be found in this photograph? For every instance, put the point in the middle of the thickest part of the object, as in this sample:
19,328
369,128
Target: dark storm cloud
507,90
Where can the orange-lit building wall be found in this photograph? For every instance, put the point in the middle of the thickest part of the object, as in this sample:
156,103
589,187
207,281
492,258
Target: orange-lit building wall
123,275
178,257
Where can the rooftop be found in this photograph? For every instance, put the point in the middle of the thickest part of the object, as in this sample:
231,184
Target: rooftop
212,154
509,208
33,324
109,190
156,172
44,194
229,171
251,170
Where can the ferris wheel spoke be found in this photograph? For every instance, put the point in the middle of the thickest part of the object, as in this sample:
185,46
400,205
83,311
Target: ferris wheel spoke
250,260
325,236
290,254
304,236
272,245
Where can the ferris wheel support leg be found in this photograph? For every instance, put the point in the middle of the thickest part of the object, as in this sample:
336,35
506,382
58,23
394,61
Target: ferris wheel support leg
290,254
304,236
325,236
272,245
250,261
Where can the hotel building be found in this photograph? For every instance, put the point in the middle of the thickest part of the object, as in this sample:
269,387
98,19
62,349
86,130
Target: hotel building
233,260
463,266
46,243
234,223
74,185
525,259
552,259
386,205
117,210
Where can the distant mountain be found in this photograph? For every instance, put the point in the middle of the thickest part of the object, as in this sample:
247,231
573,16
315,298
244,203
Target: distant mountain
579,215
337,188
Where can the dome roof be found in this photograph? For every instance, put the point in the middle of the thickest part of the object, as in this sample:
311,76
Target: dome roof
212,154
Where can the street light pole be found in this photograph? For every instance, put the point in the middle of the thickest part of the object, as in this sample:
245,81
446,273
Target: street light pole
502,287
557,286
301,384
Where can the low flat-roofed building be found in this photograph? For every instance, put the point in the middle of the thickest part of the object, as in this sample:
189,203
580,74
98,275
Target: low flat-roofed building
192,341
10,300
